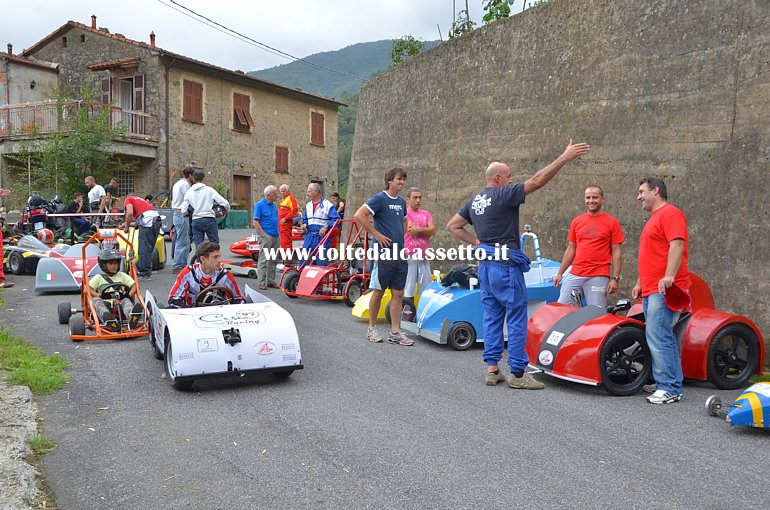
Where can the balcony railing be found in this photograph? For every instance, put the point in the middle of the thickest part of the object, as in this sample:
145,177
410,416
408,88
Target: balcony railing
48,117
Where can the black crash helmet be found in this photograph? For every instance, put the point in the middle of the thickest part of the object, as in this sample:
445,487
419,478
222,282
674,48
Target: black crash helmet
107,255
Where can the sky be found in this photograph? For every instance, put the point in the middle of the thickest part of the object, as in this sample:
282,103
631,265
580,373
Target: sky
297,27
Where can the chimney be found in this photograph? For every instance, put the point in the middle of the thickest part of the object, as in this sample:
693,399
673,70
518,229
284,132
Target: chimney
152,39
93,21
10,49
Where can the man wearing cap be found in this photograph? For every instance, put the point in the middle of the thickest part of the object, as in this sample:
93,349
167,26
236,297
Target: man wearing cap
663,285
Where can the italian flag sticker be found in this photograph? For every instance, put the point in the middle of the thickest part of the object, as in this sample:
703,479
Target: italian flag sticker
49,277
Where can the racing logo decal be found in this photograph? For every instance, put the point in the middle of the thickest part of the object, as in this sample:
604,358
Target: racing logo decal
545,358
264,348
289,357
229,319
312,273
555,338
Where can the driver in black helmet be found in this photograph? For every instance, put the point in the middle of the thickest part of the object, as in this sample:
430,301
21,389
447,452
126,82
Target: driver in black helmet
205,273
118,286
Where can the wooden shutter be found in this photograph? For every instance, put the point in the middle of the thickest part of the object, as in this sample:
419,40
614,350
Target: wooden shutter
239,119
139,92
246,103
316,128
192,106
106,89
282,159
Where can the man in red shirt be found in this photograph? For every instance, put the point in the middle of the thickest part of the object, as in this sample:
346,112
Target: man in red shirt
594,250
663,280
287,211
148,223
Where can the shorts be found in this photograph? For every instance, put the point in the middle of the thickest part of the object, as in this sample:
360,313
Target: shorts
389,274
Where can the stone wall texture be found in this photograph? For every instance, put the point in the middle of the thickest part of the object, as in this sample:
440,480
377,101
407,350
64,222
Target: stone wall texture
678,90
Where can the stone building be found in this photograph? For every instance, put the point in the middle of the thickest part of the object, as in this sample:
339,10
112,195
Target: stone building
679,90
246,132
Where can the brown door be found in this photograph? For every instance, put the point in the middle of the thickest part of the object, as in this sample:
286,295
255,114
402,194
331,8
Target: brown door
242,190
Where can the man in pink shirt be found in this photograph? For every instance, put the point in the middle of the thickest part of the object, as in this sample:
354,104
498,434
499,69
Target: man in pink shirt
419,229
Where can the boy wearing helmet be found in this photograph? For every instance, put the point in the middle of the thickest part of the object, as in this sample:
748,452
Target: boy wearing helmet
205,273
109,262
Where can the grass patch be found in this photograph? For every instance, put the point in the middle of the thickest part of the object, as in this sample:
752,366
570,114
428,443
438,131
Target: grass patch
42,444
27,365
765,377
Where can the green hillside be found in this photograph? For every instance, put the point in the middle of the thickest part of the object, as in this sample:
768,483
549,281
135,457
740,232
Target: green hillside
362,60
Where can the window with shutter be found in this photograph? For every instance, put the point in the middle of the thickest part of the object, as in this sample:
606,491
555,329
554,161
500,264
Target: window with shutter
316,128
192,103
106,86
139,93
282,159
241,116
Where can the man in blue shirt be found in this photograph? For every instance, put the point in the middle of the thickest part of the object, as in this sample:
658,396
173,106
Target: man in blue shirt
266,223
389,212
494,214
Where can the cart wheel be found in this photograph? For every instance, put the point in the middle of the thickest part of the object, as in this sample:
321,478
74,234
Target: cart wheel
252,274
16,263
290,282
77,326
461,336
625,361
185,385
151,330
352,292
732,357
64,310
283,374
408,310
712,404
156,260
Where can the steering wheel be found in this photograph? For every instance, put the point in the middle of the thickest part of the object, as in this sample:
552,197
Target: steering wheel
109,291
214,295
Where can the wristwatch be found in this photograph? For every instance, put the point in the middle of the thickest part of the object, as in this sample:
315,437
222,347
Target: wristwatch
618,278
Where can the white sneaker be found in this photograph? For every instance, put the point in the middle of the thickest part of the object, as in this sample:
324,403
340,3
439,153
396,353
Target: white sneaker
664,397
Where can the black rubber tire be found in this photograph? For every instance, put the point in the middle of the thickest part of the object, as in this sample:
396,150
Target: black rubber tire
408,306
16,263
77,326
64,311
352,292
290,282
252,274
185,385
283,374
156,260
733,356
622,353
151,333
461,336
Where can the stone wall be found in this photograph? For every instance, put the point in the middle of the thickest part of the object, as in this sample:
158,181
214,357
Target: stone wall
679,90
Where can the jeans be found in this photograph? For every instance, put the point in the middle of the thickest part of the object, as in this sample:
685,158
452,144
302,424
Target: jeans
207,226
265,267
504,300
181,240
594,289
666,362
147,238
81,225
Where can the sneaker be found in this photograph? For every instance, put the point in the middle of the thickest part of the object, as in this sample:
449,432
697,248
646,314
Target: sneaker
373,335
492,378
109,322
5,284
137,316
664,397
176,271
650,388
399,338
145,277
525,382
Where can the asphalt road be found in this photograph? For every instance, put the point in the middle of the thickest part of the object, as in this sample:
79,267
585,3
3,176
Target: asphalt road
368,426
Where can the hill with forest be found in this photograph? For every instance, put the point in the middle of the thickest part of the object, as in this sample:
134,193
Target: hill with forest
355,64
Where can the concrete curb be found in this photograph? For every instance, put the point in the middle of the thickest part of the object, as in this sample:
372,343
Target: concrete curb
18,412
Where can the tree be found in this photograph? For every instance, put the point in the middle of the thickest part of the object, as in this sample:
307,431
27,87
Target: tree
79,147
496,9
463,25
406,48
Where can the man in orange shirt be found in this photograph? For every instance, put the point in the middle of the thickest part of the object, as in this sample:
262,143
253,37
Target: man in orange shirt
287,211
594,250
663,285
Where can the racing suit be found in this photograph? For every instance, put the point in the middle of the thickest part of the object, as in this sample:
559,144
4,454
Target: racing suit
191,281
316,217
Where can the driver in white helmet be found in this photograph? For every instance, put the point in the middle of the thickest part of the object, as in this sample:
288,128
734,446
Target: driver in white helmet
114,285
205,273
